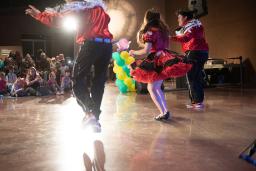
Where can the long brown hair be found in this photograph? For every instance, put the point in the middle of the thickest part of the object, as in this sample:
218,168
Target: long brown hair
153,19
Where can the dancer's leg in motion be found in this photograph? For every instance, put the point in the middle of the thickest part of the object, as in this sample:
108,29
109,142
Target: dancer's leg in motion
89,96
81,81
162,97
195,76
158,98
100,77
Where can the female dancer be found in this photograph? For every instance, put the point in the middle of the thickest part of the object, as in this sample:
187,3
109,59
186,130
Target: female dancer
160,63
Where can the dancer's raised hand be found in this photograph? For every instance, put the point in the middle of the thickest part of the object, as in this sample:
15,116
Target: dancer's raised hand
32,11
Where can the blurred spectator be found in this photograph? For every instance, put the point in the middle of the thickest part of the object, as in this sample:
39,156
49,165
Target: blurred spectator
58,71
3,89
33,81
63,68
11,77
57,58
43,63
61,57
18,62
52,83
48,75
66,83
1,64
49,63
11,55
53,62
38,54
9,62
18,88
27,63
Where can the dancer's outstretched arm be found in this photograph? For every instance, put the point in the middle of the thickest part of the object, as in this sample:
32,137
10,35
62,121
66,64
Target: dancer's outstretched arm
183,38
144,51
47,18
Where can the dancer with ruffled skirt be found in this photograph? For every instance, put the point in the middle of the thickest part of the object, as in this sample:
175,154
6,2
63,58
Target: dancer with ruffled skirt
160,63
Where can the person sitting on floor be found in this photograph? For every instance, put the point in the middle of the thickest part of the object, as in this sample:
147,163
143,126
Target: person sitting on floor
65,83
33,81
3,87
18,88
52,83
11,77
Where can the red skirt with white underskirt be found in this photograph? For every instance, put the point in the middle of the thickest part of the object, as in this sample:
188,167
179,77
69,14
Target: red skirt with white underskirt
161,67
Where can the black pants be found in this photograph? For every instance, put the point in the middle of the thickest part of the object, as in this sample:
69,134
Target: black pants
89,89
195,75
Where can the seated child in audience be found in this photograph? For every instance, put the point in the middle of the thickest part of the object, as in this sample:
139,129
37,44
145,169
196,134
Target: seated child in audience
11,77
33,80
18,88
65,83
63,68
52,83
3,88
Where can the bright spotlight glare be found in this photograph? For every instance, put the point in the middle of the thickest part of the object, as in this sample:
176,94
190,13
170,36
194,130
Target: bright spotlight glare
117,21
70,24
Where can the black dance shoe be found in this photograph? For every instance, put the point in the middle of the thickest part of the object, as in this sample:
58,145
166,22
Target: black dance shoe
163,117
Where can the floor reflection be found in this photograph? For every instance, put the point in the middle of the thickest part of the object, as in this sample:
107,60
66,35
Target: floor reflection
47,134
99,159
73,139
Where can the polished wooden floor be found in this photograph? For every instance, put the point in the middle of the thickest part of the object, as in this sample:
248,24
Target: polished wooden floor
46,134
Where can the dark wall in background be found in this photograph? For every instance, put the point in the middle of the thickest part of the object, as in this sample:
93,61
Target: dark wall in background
171,19
14,26
230,28
14,23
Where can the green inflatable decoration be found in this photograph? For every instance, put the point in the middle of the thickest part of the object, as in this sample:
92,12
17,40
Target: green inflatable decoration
124,82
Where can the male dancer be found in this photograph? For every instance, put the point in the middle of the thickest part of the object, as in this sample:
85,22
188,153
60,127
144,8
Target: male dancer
96,49
191,36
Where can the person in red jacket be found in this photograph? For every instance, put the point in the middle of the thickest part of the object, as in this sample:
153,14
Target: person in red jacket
96,50
192,38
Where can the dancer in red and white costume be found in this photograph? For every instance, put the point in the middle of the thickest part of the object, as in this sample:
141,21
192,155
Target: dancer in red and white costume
192,38
96,49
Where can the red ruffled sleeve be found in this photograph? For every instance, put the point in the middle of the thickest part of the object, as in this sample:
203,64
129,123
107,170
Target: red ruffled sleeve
50,19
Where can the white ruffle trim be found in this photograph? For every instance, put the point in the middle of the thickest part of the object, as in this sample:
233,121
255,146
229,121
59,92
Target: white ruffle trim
187,28
77,6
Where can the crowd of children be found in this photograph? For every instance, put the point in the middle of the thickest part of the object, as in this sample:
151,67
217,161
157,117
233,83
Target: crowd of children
25,77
